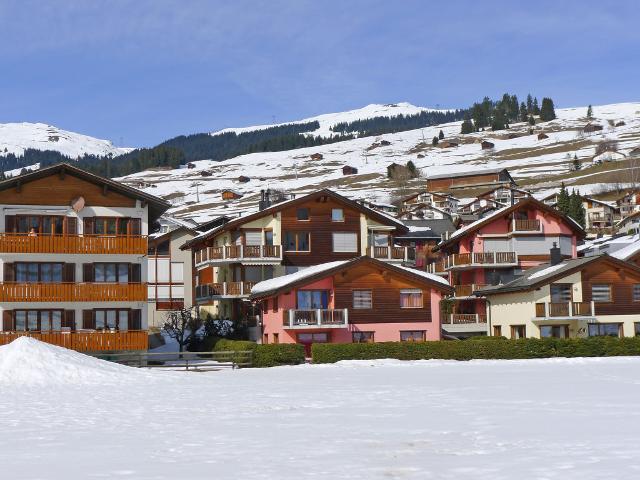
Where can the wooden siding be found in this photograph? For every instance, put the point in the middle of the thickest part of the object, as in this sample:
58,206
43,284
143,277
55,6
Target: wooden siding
73,244
87,341
320,228
73,292
61,190
440,184
385,289
621,281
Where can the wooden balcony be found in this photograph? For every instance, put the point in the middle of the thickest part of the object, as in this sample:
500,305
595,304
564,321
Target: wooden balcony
462,291
87,341
73,292
553,310
465,319
482,259
393,254
317,318
438,268
526,226
73,244
213,291
248,254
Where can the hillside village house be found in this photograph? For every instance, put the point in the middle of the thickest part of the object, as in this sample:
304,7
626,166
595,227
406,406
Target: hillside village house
494,250
582,297
630,224
72,255
599,216
629,203
440,201
357,300
481,178
284,238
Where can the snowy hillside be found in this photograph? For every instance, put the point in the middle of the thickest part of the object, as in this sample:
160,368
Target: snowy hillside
16,137
539,164
328,120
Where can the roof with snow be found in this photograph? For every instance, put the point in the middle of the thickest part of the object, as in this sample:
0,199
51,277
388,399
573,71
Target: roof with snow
628,252
271,287
473,173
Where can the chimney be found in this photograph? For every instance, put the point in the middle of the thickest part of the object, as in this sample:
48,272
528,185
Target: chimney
555,255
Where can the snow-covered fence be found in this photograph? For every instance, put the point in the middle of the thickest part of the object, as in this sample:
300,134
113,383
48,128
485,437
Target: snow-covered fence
188,361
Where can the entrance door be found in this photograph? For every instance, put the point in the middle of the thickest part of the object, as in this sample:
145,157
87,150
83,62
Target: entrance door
308,339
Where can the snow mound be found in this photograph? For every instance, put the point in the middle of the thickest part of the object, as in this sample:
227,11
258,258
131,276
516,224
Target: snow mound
27,361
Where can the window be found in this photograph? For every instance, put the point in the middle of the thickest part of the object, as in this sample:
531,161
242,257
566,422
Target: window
497,330
636,292
275,304
111,272
412,336
636,329
38,272
253,237
601,293
362,299
554,331
410,298
518,331
345,242
362,337
312,299
47,225
302,214
604,329
112,226
38,320
265,338
337,215
276,338
560,293
378,239
112,319
296,241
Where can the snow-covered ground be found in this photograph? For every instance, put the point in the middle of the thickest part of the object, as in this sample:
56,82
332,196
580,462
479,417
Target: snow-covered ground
536,419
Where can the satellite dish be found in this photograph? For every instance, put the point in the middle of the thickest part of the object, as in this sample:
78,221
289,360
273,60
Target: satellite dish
77,204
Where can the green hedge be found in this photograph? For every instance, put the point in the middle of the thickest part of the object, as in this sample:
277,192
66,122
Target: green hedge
263,355
468,350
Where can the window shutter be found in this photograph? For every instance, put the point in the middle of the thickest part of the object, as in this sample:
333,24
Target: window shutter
7,321
9,272
69,272
88,272
135,226
89,225
10,223
135,319
69,320
136,273
275,304
88,321
253,238
345,242
72,226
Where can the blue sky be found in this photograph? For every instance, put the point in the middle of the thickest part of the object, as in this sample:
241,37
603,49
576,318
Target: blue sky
139,72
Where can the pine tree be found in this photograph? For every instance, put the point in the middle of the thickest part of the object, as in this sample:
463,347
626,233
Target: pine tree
529,104
524,115
563,200
576,210
535,109
441,135
411,168
547,112
589,112
576,163
467,125
532,121
434,141
499,121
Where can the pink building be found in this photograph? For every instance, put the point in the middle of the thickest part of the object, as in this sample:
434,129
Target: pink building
497,249
359,300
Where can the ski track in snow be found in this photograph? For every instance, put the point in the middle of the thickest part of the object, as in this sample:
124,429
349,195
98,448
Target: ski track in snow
528,419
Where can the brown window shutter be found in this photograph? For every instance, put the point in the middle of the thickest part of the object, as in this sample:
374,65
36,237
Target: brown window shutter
89,223
72,226
10,223
87,272
275,304
135,319
88,321
69,272
9,272
135,226
7,321
69,320
136,273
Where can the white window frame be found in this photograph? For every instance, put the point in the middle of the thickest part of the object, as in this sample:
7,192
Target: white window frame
342,246
334,210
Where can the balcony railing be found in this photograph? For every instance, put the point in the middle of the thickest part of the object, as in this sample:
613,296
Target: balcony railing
465,319
316,318
482,259
438,267
224,289
467,290
73,244
393,254
239,253
73,292
87,341
526,226
564,309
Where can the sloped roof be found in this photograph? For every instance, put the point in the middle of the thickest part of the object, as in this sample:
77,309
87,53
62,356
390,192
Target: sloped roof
469,174
269,288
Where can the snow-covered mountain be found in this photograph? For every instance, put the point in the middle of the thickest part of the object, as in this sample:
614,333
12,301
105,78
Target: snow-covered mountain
17,137
537,163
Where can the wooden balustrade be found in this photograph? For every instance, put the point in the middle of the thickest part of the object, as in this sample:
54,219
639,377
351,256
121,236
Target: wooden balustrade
316,318
73,244
237,253
73,292
467,290
582,308
559,309
87,341
525,225
481,258
224,289
564,309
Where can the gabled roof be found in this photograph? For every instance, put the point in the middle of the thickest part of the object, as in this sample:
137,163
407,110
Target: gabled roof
432,228
525,202
435,194
627,253
631,216
373,214
269,288
546,273
469,174
157,206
